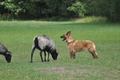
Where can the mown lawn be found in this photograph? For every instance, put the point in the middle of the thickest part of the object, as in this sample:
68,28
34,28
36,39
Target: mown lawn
17,36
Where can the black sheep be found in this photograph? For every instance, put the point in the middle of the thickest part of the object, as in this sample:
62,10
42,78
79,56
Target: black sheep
4,51
44,43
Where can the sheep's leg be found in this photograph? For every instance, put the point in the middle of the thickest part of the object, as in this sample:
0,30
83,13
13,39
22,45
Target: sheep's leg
44,56
48,57
32,54
41,56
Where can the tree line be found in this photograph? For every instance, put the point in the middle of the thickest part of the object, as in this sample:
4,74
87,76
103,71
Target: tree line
36,9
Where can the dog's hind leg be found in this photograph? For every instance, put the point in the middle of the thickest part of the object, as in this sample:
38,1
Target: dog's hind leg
91,49
93,52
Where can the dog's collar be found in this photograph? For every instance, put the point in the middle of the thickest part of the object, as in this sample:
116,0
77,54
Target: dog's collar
69,41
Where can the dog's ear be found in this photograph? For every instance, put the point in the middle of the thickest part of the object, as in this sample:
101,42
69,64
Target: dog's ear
68,33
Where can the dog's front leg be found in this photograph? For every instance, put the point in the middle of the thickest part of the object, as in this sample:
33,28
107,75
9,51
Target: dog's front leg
72,54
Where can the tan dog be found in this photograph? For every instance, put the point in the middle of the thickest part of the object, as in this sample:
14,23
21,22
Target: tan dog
78,45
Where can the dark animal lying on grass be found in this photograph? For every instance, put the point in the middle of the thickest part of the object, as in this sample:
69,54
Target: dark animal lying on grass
44,43
5,52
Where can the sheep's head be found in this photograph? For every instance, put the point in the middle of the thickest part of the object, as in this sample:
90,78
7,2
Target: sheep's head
8,57
54,55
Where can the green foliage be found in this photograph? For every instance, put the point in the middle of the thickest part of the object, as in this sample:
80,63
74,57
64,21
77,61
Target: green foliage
7,16
114,11
108,8
91,19
78,8
37,9
11,6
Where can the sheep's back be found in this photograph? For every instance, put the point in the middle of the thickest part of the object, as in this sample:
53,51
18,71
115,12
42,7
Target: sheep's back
45,41
3,49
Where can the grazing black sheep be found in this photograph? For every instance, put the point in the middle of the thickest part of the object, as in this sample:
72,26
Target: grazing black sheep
44,43
5,52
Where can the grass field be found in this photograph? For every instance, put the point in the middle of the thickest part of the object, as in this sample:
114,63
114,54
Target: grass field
17,36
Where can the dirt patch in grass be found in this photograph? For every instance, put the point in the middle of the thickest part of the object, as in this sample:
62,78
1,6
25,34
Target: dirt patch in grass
84,73
57,70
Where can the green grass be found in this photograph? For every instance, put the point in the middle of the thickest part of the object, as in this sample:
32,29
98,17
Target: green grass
17,36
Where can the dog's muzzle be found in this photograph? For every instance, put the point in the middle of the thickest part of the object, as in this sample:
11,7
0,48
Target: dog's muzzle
63,38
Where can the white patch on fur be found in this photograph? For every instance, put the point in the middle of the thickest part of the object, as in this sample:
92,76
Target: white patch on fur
94,46
70,41
75,43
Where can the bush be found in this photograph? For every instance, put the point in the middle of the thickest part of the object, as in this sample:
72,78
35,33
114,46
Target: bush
6,17
91,19
78,8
